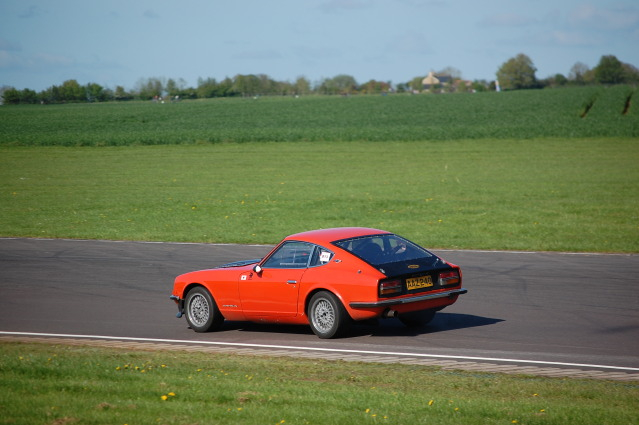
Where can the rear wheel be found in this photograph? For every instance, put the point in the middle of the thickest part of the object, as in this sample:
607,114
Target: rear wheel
417,318
201,311
327,316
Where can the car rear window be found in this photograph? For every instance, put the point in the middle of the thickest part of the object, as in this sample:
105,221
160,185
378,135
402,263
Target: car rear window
382,249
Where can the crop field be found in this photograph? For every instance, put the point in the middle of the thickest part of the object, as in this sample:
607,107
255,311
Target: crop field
560,113
532,170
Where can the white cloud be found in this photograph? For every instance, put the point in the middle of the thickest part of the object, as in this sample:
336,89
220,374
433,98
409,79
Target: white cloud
31,12
151,14
411,42
507,20
331,6
258,55
587,15
52,60
568,38
6,59
8,45
316,53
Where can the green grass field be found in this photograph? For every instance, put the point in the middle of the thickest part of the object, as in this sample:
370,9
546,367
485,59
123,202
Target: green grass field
550,194
517,171
47,384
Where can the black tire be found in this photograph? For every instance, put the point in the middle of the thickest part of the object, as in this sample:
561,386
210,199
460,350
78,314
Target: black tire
327,316
201,311
417,318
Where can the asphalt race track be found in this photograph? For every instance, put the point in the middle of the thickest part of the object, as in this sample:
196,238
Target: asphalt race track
569,309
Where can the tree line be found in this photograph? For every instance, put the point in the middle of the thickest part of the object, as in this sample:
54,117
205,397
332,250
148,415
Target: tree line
519,73
514,74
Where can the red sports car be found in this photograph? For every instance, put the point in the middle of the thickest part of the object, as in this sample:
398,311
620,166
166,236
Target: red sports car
325,278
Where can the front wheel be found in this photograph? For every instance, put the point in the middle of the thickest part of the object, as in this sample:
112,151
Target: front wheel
202,313
327,316
417,318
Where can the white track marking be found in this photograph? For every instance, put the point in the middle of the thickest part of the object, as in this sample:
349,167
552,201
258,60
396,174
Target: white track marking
327,350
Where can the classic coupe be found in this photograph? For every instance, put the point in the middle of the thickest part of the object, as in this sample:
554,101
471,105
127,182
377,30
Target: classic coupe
324,278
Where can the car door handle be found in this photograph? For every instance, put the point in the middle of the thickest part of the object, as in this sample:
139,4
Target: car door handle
291,282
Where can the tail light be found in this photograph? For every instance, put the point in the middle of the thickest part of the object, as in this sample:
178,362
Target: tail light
450,277
390,287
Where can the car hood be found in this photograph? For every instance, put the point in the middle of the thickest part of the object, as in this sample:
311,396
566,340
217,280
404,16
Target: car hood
240,263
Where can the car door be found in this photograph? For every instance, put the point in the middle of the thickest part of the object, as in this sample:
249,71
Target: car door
274,291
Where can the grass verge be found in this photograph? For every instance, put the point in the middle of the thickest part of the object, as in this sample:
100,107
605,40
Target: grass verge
554,195
49,384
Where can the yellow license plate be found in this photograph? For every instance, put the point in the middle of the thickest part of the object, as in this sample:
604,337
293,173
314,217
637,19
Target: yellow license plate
418,282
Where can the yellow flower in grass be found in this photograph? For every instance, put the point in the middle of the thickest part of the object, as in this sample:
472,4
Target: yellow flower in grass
165,397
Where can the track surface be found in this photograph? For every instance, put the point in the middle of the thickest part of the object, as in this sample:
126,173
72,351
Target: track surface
568,308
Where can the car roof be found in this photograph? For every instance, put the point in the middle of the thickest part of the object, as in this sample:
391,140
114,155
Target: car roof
326,236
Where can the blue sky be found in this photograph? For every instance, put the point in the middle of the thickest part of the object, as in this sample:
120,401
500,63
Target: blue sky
120,42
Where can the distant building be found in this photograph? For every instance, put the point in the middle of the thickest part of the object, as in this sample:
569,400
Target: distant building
433,80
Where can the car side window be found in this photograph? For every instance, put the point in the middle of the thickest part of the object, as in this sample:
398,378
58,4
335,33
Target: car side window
290,255
320,257
295,255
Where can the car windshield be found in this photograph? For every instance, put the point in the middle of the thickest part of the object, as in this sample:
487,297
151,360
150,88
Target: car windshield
382,249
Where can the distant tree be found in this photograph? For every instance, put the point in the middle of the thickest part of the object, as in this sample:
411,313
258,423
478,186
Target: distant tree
402,87
610,70
247,85
453,72
121,94
517,73
95,93
29,96
147,89
345,83
340,84
71,91
269,86
631,74
206,88
578,73
225,88
554,81
11,96
176,88
51,95
375,87
460,86
416,84
325,86
560,79
480,85
302,86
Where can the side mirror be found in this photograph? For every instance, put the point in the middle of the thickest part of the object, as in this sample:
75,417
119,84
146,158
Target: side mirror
257,269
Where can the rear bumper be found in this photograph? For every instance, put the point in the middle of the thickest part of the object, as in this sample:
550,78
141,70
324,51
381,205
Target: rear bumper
415,299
